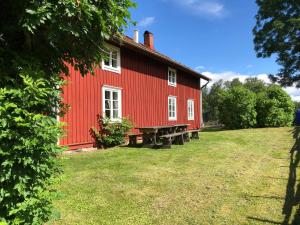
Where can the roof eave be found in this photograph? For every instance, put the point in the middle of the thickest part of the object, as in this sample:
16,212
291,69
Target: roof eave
157,56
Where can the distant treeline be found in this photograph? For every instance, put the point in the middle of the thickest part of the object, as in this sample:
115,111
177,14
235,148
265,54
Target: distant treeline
248,104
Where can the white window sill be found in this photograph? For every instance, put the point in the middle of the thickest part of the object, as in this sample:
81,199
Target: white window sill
172,119
111,69
172,85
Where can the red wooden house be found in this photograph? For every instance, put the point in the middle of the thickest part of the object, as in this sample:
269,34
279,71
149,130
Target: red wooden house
134,81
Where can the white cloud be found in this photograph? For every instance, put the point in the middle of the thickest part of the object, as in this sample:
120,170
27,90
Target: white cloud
198,68
202,7
230,75
147,21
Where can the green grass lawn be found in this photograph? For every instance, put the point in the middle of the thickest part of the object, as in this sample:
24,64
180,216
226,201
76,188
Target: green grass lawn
227,177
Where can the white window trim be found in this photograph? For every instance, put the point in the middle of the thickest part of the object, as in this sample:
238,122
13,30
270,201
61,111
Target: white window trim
170,83
119,90
193,104
109,68
175,117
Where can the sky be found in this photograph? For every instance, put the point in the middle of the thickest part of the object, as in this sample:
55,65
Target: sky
213,37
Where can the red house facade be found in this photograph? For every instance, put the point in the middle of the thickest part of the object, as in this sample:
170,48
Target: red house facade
136,82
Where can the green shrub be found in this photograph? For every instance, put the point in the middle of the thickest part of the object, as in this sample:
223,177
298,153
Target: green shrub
237,108
111,133
275,108
28,147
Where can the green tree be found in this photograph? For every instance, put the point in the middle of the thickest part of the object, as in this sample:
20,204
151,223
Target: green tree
277,31
255,85
37,41
211,101
237,108
233,83
275,108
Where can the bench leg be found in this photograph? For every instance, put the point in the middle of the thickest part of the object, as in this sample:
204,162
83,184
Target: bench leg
179,140
186,137
167,142
195,135
132,141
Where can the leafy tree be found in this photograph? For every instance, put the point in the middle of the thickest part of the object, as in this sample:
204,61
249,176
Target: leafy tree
237,108
277,31
37,41
255,85
275,108
211,101
233,83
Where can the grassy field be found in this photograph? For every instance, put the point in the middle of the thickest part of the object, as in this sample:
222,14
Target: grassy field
228,177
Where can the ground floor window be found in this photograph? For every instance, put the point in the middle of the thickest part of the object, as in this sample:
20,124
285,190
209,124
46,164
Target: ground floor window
172,106
190,109
112,103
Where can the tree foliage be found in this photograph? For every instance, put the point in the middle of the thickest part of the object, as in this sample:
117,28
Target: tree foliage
211,101
277,31
275,108
237,108
38,38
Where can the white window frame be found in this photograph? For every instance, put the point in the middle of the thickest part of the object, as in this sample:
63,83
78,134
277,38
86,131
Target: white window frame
110,67
170,83
172,118
111,90
191,109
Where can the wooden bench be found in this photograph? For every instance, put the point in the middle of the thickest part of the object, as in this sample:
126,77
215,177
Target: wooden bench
195,134
133,139
168,138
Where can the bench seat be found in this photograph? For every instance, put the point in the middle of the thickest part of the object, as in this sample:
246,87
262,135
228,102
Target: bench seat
168,138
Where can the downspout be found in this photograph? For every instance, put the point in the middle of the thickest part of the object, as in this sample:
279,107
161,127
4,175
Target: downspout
201,100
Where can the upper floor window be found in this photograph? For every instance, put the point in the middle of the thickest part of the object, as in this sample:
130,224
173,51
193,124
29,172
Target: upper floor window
112,59
172,77
112,103
172,108
190,109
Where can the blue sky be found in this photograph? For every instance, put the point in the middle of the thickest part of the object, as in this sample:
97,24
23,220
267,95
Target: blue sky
213,37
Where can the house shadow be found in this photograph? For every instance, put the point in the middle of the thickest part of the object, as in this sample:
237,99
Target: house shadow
292,196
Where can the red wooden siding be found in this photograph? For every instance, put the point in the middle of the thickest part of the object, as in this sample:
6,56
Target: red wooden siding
144,87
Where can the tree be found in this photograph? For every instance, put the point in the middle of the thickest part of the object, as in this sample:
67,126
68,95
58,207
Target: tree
237,108
255,85
233,83
275,108
37,41
277,31
211,101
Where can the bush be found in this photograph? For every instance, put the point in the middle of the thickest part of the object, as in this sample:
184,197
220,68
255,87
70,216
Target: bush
111,133
275,108
28,147
237,108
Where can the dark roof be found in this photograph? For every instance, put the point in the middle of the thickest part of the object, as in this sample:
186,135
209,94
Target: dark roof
141,48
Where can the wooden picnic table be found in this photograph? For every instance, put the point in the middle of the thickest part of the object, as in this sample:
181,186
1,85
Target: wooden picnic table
151,134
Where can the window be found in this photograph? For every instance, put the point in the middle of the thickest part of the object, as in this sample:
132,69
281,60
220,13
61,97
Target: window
112,103
112,61
172,77
172,106
190,104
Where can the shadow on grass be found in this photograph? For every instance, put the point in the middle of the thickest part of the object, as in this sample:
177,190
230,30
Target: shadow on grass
212,129
291,207
292,196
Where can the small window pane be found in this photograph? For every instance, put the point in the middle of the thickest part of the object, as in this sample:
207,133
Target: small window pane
115,114
107,95
107,104
115,105
114,63
115,95
107,113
